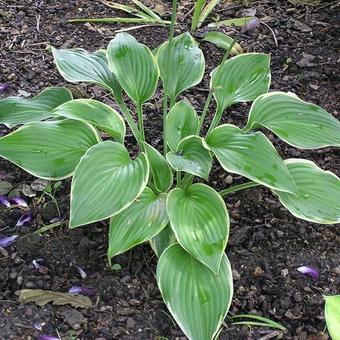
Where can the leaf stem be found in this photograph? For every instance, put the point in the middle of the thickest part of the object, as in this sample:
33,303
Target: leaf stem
229,50
173,21
130,121
165,109
205,110
238,187
140,120
216,119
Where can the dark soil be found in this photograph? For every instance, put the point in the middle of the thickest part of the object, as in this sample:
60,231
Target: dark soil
266,244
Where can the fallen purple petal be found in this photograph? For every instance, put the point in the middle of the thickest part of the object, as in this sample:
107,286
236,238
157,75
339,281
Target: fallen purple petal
309,271
4,87
251,24
47,337
19,202
8,240
24,219
82,290
38,325
81,272
4,201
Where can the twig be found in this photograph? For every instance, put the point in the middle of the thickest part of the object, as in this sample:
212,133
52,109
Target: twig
274,36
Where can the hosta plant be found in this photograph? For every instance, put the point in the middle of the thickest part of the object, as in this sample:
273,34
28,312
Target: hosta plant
165,198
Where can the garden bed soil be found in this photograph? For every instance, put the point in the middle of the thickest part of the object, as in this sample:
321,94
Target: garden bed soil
266,243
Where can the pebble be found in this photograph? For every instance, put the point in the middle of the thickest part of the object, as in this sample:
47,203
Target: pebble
125,279
229,179
28,311
135,302
125,311
72,317
130,323
19,280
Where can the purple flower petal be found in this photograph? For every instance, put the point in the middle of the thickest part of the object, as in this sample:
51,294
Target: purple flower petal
251,24
24,219
4,201
47,337
82,290
6,241
309,271
4,87
19,202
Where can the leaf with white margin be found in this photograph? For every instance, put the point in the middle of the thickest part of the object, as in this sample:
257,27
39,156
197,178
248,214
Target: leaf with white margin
106,182
162,240
134,66
181,64
161,172
51,149
332,315
240,79
96,113
200,221
77,65
16,110
300,124
223,40
198,299
191,157
251,155
140,222
319,193
181,121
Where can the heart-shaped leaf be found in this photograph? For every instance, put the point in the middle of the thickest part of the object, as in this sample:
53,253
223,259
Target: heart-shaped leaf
16,110
240,79
250,155
106,182
191,157
98,114
319,193
140,222
298,123
134,66
161,172
200,222
332,315
77,65
197,298
223,40
51,149
181,64
163,240
181,121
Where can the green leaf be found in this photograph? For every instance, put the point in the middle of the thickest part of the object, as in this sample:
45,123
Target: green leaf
106,182
161,172
199,4
16,110
181,64
197,298
319,193
98,114
200,222
241,79
223,40
134,66
259,321
77,65
147,10
191,157
250,155
163,240
231,22
140,222
303,125
49,150
207,10
332,315
182,121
